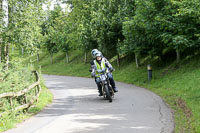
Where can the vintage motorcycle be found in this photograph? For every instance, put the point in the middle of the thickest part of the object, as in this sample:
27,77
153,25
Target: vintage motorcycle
107,89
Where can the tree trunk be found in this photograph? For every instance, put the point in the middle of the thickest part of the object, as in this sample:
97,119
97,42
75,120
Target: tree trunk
38,57
118,60
22,52
4,52
0,37
13,49
1,1
136,61
85,57
7,55
0,50
51,58
67,58
177,56
6,9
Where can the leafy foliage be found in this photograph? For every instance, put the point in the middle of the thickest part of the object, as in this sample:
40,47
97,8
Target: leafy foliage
15,79
145,28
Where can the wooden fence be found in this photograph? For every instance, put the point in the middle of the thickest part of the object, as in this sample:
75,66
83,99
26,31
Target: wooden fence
26,104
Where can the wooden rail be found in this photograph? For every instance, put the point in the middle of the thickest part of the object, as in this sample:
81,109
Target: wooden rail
14,95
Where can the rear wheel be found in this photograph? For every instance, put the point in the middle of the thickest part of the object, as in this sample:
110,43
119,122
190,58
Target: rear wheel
109,97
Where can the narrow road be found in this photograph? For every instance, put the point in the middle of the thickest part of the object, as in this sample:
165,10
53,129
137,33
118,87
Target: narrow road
76,108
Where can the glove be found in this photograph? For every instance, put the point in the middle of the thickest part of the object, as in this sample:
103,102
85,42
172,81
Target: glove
99,71
111,69
103,70
93,74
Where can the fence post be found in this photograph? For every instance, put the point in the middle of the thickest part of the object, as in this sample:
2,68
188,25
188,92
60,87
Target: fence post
11,103
25,99
38,88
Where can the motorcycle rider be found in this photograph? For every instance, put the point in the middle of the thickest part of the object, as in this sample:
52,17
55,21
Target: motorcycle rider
93,53
99,65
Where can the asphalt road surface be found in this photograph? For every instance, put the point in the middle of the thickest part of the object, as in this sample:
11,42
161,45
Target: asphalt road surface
77,108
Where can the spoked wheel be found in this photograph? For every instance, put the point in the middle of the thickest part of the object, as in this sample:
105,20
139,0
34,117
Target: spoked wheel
108,96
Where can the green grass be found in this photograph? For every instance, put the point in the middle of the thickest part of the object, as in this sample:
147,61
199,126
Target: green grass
179,88
76,66
178,85
45,98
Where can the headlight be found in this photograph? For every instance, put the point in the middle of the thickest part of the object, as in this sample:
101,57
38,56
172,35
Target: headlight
103,77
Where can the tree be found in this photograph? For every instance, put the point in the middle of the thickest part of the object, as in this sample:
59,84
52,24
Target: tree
139,27
64,30
1,28
23,28
81,14
50,32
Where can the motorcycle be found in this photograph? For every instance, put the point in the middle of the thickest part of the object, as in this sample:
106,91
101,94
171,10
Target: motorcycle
107,89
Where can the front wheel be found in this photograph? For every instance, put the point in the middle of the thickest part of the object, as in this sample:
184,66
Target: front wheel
109,97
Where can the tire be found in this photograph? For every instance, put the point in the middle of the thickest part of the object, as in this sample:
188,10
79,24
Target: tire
109,97
111,91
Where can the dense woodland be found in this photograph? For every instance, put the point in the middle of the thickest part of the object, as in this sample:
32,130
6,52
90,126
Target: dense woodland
156,28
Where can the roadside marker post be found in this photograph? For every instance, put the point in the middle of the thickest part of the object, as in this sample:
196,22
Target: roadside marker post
149,69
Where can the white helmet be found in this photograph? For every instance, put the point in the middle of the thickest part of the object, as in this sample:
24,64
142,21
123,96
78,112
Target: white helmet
94,52
98,54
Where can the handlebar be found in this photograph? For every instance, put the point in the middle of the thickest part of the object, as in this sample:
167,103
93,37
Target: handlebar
104,72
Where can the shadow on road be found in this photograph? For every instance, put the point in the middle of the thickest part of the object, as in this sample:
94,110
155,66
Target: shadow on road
90,113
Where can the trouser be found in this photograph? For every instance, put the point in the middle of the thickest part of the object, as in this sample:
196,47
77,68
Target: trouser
98,82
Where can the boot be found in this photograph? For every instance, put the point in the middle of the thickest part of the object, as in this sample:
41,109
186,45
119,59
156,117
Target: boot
100,93
115,89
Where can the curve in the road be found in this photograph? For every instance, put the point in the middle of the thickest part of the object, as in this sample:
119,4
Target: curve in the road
76,108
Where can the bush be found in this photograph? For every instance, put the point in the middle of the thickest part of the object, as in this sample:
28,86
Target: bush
16,78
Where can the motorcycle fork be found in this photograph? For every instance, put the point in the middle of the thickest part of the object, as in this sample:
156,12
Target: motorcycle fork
110,87
102,85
